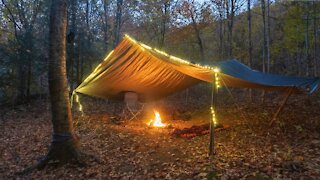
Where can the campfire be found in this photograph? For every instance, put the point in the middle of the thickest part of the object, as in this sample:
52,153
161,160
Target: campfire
156,122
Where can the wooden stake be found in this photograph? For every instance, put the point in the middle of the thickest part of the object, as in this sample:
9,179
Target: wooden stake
213,105
281,106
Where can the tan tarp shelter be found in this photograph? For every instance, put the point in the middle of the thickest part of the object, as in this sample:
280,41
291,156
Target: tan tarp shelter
152,74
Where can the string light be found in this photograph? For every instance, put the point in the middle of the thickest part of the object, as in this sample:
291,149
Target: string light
143,47
131,39
111,52
89,77
179,60
97,68
183,61
79,103
77,98
216,76
161,52
146,46
213,115
217,86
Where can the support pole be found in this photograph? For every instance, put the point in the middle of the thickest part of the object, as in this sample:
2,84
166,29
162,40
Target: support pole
213,110
281,106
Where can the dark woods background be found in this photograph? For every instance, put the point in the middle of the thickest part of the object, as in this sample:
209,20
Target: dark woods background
271,36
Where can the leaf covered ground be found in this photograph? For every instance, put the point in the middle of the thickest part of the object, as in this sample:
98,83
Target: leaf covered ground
248,149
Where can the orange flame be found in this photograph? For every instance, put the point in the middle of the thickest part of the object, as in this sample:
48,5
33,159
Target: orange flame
157,121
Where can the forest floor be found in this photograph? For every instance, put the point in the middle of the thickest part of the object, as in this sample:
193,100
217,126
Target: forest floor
248,149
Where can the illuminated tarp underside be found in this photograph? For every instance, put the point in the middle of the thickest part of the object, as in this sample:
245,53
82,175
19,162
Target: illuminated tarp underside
135,67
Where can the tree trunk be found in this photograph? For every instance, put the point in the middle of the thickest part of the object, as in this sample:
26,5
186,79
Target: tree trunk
299,63
64,146
164,18
118,23
87,16
28,56
307,44
88,33
200,43
81,68
315,62
29,74
268,36
220,6
230,11
78,68
199,39
72,34
264,46
250,31
228,26
22,81
263,10
250,63
106,25
221,52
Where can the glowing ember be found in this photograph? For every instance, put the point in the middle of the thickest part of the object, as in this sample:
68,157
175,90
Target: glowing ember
157,121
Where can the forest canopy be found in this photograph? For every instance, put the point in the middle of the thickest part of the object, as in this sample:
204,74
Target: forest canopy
272,36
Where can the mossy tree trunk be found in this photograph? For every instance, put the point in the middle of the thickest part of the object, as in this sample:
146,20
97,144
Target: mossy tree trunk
118,22
64,146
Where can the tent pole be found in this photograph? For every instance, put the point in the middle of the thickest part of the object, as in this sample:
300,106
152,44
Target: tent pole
281,106
213,106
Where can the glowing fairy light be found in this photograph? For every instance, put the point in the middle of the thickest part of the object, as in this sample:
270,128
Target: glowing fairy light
131,39
146,46
213,116
217,79
216,85
109,55
97,67
143,47
89,77
77,98
179,60
80,107
161,52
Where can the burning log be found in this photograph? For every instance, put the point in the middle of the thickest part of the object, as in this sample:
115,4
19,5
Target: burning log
194,131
